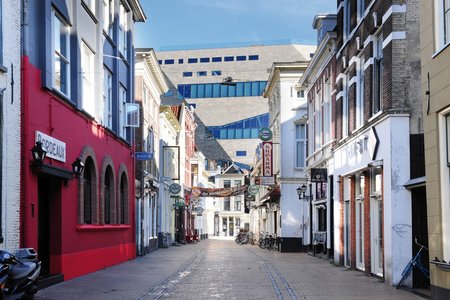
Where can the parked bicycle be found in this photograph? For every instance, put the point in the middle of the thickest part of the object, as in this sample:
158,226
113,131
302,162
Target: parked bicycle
416,261
272,243
263,240
242,238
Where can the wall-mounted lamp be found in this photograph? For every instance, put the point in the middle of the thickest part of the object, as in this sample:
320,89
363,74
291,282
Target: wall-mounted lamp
38,154
77,167
301,192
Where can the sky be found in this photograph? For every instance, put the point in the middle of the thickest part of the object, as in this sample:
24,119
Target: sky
195,24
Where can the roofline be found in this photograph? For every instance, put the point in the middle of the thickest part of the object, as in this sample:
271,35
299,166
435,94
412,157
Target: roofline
138,11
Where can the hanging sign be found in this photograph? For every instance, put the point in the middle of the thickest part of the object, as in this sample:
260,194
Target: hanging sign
318,175
267,149
265,134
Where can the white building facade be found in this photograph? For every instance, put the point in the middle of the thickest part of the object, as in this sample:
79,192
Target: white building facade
10,138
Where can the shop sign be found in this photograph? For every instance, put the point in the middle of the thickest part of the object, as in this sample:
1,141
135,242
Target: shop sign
265,134
318,175
267,158
253,190
175,188
265,180
143,155
56,149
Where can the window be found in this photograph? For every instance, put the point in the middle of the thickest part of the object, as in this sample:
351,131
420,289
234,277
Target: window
327,110
122,110
169,62
216,73
107,98
229,58
187,74
216,59
442,17
90,4
359,197
243,129
237,204
346,19
108,16
360,9
241,153
204,59
360,95
61,58
132,117
253,57
87,74
123,199
226,204
123,28
180,61
318,134
192,60
88,202
345,109
378,75
202,73
241,58
149,146
301,94
108,194
300,145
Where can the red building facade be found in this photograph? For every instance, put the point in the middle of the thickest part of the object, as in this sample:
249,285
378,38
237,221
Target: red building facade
78,224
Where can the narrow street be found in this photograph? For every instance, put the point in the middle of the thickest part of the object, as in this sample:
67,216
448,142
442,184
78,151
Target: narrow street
222,269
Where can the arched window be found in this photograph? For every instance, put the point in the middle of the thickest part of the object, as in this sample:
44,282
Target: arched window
123,199
108,195
88,193
87,203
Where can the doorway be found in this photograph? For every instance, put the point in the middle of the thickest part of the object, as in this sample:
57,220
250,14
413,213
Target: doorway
49,222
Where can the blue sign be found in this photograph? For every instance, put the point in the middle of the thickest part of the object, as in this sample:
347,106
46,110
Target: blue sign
143,155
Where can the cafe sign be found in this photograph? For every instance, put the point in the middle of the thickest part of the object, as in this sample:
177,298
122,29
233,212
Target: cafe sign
267,149
56,149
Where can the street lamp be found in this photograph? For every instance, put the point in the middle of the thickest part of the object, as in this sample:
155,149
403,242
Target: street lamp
38,154
301,192
77,167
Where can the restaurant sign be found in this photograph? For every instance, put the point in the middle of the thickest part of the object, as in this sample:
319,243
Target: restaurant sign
56,149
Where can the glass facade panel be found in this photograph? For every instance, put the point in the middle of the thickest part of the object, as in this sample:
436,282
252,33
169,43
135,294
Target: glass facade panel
216,90
201,91
247,89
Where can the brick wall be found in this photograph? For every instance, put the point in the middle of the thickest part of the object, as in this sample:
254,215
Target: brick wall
10,193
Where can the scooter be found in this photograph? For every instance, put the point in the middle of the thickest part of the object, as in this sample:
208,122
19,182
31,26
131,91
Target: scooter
19,274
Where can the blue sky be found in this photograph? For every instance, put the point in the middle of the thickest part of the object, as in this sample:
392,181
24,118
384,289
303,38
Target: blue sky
191,24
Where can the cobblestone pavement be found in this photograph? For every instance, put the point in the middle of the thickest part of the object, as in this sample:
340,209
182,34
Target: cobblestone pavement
222,269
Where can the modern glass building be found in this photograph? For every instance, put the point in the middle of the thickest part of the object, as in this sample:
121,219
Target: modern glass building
224,86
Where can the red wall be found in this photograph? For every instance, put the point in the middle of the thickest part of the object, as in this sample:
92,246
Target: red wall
79,250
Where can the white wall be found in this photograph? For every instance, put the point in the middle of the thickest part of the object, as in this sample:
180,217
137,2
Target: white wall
10,194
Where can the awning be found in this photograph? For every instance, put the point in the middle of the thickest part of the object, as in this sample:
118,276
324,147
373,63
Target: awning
271,196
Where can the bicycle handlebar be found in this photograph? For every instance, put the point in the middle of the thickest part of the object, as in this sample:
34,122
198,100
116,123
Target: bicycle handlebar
420,245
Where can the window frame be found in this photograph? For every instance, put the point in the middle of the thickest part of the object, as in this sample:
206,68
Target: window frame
87,79
360,94
377,104
123,30
300,142
63,53
107,98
